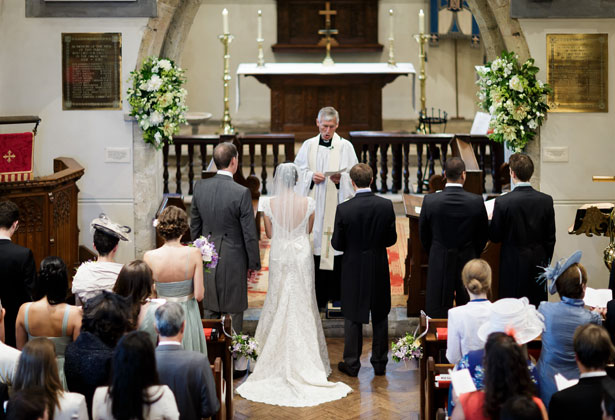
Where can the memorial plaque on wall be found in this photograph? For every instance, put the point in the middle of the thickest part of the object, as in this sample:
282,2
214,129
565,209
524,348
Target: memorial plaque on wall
91,71
577,70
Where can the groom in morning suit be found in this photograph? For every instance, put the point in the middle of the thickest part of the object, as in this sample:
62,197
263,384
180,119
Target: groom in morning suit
453,228
364,228
222,209
17,268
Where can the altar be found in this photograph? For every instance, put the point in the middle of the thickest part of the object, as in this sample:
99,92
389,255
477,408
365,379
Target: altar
299,90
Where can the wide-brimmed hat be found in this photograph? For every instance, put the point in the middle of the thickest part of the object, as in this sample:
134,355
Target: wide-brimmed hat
104,224
551,274
513,316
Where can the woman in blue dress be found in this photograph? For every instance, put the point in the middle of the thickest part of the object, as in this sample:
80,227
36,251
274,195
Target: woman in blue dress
569,279
178,274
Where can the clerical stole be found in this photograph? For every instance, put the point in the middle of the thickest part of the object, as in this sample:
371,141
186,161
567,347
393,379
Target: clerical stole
333,165
16,156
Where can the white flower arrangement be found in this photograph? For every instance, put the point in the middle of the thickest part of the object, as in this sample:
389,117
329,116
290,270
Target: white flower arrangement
208,251
514,97
158,99
244,345
407,348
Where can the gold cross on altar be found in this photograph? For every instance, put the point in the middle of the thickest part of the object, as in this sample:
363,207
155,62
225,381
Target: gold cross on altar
327,40
328,233
9,156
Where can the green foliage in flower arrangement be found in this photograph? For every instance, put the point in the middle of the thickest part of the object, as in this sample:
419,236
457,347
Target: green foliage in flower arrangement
514,97
158,99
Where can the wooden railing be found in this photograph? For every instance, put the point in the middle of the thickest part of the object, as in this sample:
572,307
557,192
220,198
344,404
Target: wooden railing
203,145
431,147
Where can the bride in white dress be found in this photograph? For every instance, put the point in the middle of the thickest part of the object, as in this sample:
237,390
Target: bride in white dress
293,364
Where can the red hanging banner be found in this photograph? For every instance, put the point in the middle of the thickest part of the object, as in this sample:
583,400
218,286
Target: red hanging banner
16,156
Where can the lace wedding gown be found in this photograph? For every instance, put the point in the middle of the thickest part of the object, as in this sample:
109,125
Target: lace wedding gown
293,364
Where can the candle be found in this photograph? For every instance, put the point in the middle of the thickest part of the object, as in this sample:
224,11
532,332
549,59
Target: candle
225,21
421,22
260,25
391,23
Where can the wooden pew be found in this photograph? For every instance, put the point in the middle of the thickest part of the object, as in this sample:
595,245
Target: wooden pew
217,370
220,348
435,397
431,349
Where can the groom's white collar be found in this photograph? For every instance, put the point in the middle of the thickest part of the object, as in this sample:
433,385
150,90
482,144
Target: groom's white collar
227,173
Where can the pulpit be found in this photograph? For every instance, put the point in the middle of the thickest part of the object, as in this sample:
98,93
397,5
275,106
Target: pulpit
299,90
48,222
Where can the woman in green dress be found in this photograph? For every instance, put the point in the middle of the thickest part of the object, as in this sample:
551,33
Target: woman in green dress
178,274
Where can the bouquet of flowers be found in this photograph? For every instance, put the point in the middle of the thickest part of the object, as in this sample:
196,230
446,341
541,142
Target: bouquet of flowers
244,345
407,348
158,99
208,251
515,99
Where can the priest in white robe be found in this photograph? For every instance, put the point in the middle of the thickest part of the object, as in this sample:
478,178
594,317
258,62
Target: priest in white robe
324,162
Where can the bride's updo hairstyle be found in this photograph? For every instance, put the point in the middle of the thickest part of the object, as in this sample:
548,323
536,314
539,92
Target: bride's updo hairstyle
172,223
476,276
287,173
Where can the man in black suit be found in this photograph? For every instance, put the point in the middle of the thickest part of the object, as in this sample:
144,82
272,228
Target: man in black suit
453,228
364,228
524,221
17,268
187,373
593,350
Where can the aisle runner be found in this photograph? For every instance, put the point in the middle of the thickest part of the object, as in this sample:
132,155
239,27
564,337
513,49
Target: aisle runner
257,289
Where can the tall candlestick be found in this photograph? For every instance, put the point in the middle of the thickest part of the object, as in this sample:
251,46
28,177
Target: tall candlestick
421,22
391,24
259,32
225,28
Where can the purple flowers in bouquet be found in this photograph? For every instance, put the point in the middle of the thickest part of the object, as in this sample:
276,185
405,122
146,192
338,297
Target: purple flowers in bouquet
208,251
407,348
244,345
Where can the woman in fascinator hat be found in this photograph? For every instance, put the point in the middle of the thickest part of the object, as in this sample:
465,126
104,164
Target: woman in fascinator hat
568,278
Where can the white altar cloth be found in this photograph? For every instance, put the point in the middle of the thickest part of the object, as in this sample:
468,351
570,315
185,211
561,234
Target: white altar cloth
251,69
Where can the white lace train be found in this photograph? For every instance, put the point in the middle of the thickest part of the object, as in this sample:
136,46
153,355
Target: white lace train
293,364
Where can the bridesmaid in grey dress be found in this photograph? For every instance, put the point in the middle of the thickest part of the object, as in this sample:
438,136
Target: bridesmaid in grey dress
178,274
136,283
50,316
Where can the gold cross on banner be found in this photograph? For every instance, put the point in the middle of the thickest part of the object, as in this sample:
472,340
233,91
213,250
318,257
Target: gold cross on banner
328,233
9,156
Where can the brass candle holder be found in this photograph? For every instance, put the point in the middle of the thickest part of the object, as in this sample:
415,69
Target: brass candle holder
227,126
391,61
260,61
422,40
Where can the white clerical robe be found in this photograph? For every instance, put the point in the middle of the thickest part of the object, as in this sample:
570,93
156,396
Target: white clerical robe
347,159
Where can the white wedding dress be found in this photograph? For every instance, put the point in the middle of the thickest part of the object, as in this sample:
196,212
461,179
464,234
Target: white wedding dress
293,364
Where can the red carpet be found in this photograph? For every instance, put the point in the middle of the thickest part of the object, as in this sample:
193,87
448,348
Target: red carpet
257,289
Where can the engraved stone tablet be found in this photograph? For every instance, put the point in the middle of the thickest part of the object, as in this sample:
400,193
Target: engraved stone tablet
91,69
577,70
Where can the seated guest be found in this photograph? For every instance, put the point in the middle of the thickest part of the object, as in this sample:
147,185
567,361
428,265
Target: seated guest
50,316
593,350
521,407
37,367
17,264
106,318
187,373
8,355
464,320
92,277
506,315
135,391
506,375
569,278
27,404
135,283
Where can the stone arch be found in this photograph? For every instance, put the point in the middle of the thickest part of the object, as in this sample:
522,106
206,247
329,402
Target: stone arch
165,36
